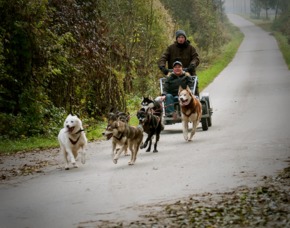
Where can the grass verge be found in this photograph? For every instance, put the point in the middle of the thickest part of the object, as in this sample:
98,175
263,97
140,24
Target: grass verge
28,144
284,46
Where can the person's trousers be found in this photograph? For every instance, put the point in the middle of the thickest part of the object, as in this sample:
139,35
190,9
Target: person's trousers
169,103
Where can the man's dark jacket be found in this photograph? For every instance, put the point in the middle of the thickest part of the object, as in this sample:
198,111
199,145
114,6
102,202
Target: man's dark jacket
185,53
173,82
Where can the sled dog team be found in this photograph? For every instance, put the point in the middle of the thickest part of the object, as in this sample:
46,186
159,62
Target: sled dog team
72,138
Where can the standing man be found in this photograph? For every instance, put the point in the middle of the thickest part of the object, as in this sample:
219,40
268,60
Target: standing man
182,51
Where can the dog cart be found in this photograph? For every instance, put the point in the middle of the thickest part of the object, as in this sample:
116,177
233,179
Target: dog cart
207,109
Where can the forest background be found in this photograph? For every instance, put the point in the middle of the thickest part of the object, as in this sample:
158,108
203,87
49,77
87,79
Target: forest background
85,57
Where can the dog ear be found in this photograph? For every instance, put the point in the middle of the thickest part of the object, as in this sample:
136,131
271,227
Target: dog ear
114,124
188,88
180,89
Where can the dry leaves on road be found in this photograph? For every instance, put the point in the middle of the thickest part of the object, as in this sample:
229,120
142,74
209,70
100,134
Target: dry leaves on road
27,163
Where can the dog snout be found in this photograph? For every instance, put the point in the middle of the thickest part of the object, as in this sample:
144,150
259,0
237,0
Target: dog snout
182,98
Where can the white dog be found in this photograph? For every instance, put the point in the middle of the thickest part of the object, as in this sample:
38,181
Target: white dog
72,139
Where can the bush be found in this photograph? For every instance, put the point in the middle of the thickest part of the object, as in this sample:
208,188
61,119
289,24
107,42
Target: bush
45,122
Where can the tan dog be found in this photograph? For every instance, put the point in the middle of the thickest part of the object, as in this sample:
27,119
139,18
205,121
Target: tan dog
191,111
117,141
127,136
72,140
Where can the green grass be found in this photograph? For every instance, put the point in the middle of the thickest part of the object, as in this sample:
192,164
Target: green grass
94,131
284,47
28,144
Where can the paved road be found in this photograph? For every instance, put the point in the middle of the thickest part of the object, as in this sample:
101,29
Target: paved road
250,138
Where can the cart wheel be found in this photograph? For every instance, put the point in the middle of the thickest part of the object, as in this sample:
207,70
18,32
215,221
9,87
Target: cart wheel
209,121
204,124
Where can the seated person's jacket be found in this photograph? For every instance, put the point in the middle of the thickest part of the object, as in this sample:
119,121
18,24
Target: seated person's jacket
172,83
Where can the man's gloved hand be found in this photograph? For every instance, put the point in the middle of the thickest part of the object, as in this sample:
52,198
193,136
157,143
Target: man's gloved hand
164,70
191,69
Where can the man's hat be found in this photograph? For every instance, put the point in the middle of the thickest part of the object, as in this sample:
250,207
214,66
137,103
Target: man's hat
177,62
180,33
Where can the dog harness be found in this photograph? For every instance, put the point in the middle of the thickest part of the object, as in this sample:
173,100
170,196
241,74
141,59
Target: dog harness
189,114
119,138
192,109
75,142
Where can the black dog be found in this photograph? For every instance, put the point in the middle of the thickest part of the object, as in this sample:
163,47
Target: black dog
152,106
152,126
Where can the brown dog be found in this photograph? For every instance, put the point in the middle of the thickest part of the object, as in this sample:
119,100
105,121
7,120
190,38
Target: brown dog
117,141
191,111
127,136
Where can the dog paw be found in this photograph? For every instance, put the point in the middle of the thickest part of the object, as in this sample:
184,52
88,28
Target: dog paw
144,145
115,161
75,165
83,159
66,168
130,163
155,151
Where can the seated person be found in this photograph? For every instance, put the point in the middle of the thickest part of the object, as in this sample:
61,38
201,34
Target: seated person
171,87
